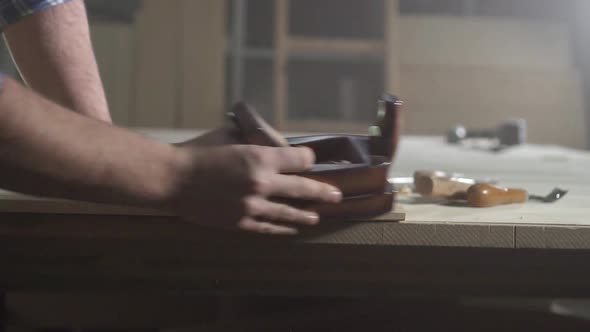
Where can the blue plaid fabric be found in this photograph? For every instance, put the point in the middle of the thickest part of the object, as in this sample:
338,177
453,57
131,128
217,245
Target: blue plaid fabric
13,10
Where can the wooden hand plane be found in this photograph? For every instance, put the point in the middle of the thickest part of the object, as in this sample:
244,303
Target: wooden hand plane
357,164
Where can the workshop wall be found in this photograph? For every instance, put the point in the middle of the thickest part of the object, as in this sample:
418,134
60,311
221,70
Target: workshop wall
168,70
481,71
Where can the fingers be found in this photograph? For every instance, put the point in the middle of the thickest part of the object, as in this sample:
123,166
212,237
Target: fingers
251,225
296,187
289,160
261,174
259,207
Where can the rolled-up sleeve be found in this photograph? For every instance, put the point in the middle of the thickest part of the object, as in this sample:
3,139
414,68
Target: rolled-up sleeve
13,10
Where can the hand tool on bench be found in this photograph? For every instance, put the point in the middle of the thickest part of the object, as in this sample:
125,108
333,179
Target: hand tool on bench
486,195
442,184
509,133
357,164
477,193
406,185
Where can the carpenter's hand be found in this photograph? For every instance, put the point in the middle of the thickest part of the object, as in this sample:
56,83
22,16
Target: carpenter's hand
217,137
231,187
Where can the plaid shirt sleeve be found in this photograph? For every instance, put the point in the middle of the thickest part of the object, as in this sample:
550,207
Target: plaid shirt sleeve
13,10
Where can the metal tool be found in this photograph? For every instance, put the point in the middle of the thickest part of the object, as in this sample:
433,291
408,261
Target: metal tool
510,133
553,196
437,183
486,195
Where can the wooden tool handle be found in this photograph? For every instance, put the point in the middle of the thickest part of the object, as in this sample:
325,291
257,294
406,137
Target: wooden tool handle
485,195
439,184
253,129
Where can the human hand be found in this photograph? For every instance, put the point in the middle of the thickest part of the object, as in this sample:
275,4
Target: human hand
233,187
216,137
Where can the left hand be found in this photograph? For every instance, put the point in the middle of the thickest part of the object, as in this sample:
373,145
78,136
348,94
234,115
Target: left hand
217,137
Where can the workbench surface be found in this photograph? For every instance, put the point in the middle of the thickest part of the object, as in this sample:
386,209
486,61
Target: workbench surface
537,169
529,249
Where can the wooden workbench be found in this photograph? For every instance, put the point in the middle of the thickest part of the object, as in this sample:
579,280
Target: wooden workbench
519,250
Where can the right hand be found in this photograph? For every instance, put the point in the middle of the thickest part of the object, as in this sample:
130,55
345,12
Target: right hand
232,187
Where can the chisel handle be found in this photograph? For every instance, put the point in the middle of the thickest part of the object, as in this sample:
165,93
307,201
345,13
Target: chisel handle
439,184
485,195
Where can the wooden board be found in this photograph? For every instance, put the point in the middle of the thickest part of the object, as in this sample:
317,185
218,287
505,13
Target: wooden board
17,203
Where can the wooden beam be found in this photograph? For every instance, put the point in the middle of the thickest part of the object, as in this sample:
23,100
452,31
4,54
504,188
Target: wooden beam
392,47
351,46
202,77
280,75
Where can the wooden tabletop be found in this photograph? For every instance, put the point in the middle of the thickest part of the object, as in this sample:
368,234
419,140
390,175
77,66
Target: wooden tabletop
530,249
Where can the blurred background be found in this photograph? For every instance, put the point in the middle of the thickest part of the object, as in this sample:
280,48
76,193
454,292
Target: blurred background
321,65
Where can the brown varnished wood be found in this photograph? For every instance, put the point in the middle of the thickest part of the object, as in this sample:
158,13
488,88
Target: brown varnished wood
358,165
390,125
356,208
486,195
355,181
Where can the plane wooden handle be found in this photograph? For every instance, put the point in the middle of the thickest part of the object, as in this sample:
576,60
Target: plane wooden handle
439,184
485,195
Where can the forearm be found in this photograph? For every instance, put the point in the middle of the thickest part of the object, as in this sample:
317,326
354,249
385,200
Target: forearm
47,150
55,57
